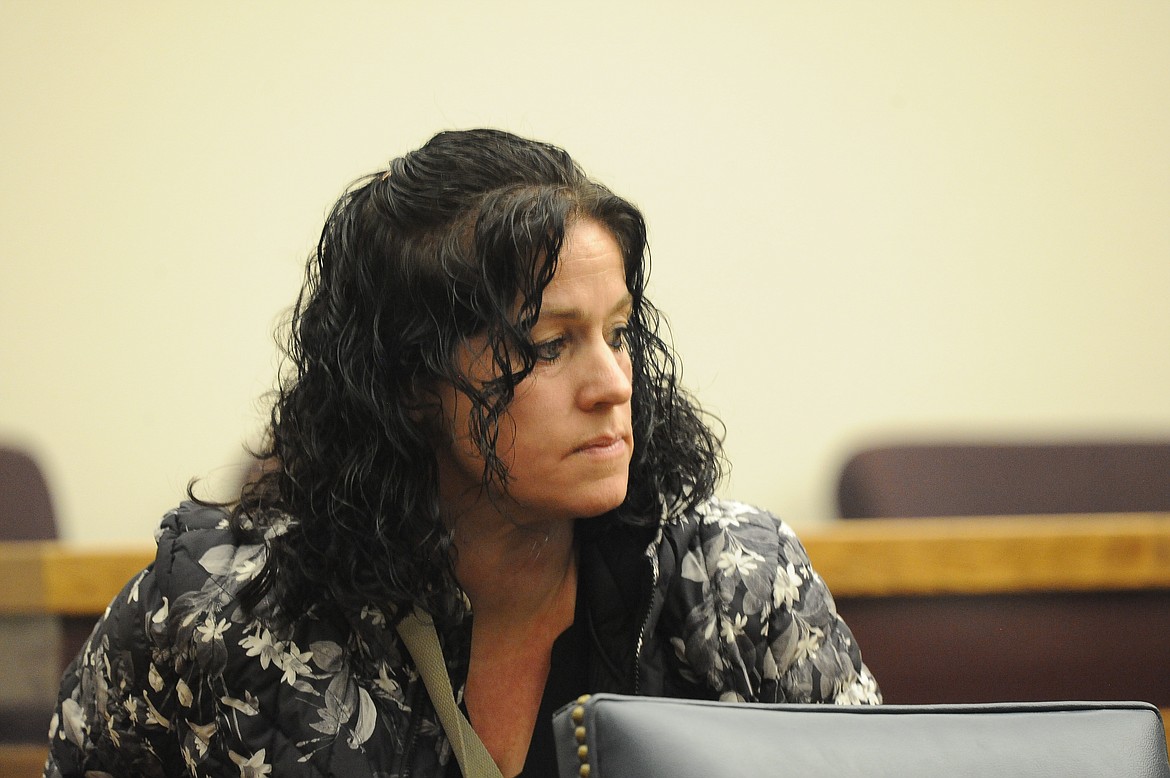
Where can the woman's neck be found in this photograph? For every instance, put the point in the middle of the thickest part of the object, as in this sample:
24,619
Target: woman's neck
515,567
521,578
516,574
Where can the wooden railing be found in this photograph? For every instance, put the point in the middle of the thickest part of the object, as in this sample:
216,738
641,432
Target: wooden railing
861,558
63,579
992,555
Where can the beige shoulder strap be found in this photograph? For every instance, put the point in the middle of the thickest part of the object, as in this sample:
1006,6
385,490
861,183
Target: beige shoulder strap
418,633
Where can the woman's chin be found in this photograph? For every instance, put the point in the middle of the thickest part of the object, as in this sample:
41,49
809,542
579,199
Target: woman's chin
601,504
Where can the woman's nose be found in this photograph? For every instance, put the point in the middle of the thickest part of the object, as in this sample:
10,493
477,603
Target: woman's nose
607,378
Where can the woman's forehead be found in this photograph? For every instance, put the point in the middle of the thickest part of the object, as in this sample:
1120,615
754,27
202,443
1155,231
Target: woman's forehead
590,264
589,257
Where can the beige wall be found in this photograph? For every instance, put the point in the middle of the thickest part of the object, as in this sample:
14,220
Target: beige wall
902,218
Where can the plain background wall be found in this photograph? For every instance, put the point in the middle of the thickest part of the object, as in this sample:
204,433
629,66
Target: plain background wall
868,219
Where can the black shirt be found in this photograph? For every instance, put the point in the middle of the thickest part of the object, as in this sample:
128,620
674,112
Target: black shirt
568,679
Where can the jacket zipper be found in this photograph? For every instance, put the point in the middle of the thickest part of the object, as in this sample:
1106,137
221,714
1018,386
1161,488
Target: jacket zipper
412,733
652,555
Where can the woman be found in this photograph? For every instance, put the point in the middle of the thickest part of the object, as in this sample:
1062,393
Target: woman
481,423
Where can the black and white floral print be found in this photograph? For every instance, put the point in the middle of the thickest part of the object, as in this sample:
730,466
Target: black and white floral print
177,679
753,620
195,685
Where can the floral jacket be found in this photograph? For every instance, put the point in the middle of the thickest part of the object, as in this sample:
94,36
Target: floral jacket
176,677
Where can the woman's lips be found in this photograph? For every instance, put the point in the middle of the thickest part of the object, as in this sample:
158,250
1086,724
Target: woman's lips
603,446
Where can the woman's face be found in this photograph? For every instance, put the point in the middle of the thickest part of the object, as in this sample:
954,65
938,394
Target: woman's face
567,437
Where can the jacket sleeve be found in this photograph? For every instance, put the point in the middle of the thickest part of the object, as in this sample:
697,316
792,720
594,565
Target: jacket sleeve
814,655
760,624
107,720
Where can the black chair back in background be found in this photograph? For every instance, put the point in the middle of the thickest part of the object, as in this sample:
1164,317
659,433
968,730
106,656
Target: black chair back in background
988,479
29,645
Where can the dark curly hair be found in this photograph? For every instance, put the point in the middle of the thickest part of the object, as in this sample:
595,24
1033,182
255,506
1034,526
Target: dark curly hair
413,261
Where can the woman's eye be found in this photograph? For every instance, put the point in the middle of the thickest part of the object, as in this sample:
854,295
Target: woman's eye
550,350
618,339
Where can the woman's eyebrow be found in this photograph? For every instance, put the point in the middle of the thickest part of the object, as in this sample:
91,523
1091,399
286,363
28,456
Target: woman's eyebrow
574,313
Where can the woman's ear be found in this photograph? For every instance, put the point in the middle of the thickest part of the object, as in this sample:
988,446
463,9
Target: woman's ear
426,407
